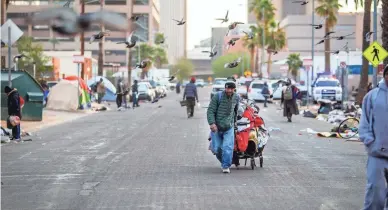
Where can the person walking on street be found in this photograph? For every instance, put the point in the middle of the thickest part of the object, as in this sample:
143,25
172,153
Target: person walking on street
373,133
14,109
100,90
119,93
190,94
265,92
289,95
222,116
178,87
134,94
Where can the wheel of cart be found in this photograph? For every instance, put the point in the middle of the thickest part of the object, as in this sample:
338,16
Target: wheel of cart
348,128
261,161
253,163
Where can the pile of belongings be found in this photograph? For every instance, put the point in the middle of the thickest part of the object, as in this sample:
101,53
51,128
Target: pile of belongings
6,135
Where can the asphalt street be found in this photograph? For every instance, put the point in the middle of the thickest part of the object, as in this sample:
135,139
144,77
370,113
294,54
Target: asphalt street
155,158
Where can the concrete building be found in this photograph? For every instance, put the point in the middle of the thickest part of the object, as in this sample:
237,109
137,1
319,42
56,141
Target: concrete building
218,34
146,26
176,35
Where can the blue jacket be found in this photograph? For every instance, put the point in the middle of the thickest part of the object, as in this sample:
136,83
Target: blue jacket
190,91
373,129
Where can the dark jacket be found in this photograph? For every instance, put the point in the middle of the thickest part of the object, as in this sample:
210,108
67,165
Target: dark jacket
14,103
190,91
134,88
291,105
223,112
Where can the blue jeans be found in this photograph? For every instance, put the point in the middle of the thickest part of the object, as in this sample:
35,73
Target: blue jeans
222,146
16,132
134,99
376,191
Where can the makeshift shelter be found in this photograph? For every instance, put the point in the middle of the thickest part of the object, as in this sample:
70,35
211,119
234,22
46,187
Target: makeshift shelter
64,96
85,95
110,88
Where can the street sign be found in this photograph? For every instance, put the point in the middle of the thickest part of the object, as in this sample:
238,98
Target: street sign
78,59
209,79
343,64
247,73
307,62
375,54
16,33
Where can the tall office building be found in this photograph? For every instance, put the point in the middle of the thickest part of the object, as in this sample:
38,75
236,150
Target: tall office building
176,35
146,26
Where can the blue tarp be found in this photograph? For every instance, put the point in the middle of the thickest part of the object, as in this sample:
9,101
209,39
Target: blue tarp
110,88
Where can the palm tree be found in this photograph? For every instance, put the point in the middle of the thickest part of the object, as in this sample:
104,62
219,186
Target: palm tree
328,9
251,44
4,7
160,57
294,63
275,41
384,26
263,20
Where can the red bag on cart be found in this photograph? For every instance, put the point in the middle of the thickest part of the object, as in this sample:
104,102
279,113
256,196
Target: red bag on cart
241,140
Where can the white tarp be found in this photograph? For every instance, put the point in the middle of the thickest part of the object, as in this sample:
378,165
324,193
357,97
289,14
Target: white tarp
64,96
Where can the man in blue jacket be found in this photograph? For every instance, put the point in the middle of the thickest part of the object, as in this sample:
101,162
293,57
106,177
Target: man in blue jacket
191,96
373,131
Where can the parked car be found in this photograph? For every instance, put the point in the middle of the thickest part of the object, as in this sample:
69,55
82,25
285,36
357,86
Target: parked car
146,91
255,88
218,85
242,89
185,82
200,83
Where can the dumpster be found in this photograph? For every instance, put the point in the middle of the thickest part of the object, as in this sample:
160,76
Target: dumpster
29,89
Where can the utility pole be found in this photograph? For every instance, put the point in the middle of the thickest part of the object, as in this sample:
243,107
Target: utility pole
375,38
82,39
263,46
312,51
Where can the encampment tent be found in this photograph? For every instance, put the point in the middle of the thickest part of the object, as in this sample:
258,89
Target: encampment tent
85,101
64,96
110,88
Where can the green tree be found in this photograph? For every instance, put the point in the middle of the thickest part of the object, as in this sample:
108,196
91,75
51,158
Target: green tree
294,63
183,69
251,44
328,9
54,42
160,57
276,41
34,53
146,52
218,65
159,37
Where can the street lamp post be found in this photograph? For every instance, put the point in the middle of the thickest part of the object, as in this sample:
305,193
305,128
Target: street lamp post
375,38
312,41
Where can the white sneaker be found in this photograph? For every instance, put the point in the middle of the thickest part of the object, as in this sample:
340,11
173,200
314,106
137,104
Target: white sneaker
226,170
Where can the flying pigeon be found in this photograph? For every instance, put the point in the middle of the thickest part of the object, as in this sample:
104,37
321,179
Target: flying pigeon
67,4
334,52
212,52
163,40
130,41
303,2
98,36
231,42
343,37
272,51
135,17
173,76
233,64
249,35
320,42
328,34
319,26
180,22
225,19
234,25
142,64
2,44
368,35
345,48
67,22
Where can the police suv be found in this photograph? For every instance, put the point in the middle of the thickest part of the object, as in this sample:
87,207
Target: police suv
327,88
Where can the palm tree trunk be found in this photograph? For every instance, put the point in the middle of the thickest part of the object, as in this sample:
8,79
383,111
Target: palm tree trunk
362,88
3,11
257,61
252,54
384,26
327,50
269,64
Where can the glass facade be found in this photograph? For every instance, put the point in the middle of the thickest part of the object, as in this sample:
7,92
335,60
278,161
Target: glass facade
142,2
142,28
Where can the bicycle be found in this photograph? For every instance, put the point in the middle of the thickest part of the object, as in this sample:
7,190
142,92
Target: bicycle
348,128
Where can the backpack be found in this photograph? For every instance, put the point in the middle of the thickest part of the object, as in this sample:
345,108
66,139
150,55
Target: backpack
21,101
265,91
288,95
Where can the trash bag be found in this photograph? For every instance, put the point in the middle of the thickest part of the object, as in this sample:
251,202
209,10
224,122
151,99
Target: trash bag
309,114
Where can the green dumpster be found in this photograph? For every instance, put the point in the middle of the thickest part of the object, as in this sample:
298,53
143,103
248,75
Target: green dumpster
29,89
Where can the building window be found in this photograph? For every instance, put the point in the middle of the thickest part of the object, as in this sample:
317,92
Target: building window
115,52
40,27
141,2
110,39
142,28
17,15
116,2
94,52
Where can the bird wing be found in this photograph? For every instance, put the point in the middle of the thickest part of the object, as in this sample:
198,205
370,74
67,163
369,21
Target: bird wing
65,14
226,65
111,19
235,39
238,23
238,60
67,4
227,13
297,1
227,47
91,39
121,42
205,51
350,34
214,47
227,33
220,19
176,20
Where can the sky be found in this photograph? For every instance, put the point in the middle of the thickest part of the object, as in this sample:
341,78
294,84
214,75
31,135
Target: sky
201,16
